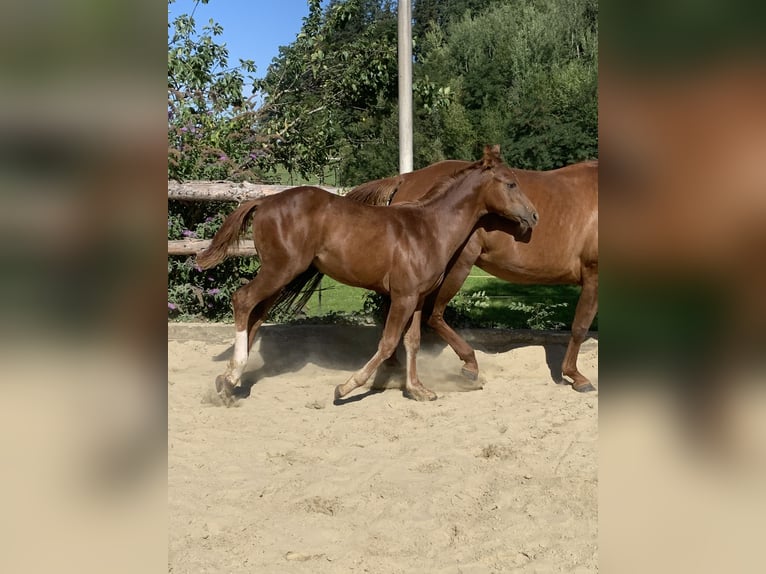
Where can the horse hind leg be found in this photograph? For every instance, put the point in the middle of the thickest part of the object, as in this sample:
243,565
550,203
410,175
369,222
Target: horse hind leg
251,303
585,312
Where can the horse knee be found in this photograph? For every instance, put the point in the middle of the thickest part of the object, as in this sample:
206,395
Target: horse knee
435,319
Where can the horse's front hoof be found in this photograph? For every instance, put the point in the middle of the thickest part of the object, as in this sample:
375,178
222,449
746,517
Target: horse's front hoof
584,388
469,374
422,394
338,392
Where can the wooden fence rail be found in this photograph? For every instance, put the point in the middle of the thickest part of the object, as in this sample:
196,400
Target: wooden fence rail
226,190
220,191
194,246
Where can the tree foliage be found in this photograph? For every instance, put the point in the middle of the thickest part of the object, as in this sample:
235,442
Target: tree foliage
521,73
331,89
213,128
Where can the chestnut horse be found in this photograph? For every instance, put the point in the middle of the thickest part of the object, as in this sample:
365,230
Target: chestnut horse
562,250
400,251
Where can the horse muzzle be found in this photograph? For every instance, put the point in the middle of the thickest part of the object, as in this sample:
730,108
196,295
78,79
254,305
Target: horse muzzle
528,221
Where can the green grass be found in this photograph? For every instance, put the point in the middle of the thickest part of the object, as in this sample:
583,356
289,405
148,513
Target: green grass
552,305
338,299
284,177
334,297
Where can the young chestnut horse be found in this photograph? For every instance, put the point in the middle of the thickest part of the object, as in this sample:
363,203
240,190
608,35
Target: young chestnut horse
562,250
401,251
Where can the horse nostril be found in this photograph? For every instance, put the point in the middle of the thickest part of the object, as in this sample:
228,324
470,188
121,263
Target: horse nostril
535,217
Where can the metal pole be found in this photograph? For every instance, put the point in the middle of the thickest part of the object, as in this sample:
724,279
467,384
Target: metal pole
405,85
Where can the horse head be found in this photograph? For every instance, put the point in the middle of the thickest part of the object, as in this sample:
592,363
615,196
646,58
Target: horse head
503,192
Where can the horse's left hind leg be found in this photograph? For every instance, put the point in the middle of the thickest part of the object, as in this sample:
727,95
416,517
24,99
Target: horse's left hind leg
251,303
586,309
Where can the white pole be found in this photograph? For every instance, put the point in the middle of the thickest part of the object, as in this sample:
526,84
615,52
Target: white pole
405,85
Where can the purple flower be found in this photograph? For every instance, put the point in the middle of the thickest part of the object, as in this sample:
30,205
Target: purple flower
171,306
209,219
223,157
213,291
184,129
188,233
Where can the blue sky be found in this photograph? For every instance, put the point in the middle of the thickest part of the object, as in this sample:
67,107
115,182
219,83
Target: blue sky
252,29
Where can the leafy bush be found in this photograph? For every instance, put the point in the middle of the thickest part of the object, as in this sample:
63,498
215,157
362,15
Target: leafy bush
194,293
539,314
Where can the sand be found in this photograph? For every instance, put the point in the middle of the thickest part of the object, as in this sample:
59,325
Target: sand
502,479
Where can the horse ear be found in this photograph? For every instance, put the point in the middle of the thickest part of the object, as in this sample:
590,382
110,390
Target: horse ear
491,156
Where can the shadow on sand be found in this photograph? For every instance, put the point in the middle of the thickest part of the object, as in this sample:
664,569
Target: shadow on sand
282,349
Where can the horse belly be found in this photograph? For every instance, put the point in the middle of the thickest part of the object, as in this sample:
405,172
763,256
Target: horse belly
532,271
551,257
357,269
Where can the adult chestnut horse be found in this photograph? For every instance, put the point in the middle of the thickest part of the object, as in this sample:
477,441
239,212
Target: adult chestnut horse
401,251
562,250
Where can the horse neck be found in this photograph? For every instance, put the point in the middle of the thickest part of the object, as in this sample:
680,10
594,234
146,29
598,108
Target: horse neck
456,209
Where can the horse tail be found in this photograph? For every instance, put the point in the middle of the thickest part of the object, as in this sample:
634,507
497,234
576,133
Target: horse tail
377,192
297,293
226,236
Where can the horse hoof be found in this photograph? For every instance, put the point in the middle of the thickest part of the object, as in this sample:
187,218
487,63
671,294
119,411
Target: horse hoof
224,389
338,393
469,374
420,395
584,388
220,383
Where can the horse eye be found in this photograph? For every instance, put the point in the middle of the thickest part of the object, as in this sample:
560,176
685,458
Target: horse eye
511,184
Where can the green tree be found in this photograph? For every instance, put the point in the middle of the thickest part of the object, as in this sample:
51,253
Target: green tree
522,74
212,134
211,122
335,80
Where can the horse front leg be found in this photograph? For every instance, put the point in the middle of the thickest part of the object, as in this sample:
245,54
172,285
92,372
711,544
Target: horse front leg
586,309
438,301
399,313
414,389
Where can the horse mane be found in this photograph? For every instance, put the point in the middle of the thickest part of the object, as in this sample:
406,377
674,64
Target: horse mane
377,192
446,181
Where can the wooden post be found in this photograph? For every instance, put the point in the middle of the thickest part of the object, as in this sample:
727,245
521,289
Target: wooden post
405,85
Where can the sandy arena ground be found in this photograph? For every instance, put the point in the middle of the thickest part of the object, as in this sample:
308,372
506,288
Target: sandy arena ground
497,480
